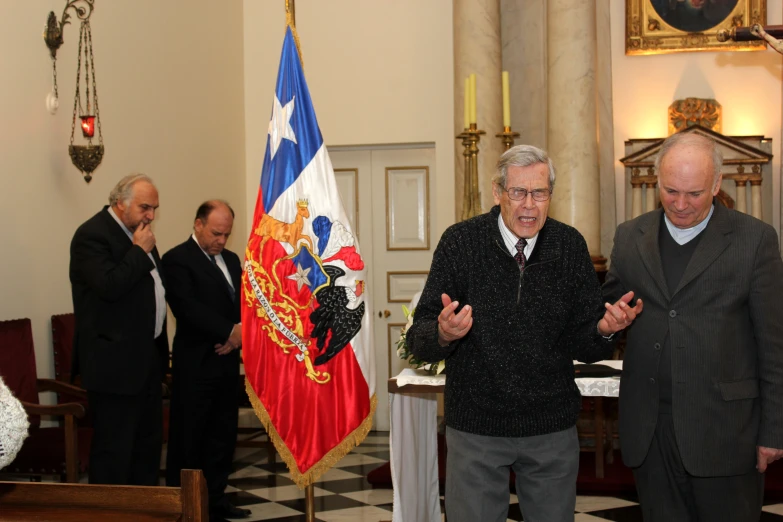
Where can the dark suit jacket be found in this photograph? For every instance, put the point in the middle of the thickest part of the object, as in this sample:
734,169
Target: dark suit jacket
725,322
114,306
199,298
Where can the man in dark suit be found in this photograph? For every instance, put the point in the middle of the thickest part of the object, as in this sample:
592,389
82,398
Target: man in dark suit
204,292
701,401
120,343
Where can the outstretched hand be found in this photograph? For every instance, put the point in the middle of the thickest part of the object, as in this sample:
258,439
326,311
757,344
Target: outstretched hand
766,456
453,326
620,315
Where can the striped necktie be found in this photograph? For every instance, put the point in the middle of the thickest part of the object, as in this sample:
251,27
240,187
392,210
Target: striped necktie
520,255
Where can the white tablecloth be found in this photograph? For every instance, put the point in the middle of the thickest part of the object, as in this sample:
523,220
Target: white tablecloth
413,444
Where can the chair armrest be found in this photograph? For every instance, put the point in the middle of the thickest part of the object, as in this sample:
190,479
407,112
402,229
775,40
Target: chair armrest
69,408
51,385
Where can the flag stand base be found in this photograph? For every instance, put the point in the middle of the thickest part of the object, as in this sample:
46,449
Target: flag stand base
310,503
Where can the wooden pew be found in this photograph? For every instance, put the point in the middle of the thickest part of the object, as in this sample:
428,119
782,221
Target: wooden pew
45,502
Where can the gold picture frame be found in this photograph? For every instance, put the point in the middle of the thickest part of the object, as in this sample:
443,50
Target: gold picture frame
673,26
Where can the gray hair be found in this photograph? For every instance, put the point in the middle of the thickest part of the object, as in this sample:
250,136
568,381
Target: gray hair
692,139
123,190
522,156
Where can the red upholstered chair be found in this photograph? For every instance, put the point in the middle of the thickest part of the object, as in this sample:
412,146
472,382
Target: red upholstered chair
63,327
62,343
59,450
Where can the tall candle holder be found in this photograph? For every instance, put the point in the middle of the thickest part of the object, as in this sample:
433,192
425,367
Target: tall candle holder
471,200
507,137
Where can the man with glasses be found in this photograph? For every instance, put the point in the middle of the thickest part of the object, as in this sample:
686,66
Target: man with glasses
511,300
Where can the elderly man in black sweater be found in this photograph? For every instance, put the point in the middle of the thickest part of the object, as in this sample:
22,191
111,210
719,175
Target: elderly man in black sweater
511,300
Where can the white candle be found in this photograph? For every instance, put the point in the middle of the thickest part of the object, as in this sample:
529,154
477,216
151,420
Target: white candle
473,98
506,104
466,95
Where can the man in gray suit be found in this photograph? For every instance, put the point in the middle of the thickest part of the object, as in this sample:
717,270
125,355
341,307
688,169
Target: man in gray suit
701,402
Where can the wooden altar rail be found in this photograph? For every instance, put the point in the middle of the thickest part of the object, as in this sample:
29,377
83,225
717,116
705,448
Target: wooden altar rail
50,502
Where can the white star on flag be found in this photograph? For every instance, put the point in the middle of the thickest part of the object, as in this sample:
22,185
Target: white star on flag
280,125
300,276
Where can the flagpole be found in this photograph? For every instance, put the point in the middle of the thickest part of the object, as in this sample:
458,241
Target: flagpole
290,19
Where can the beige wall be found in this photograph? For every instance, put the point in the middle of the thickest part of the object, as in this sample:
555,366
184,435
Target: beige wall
747,84
171,99
378,73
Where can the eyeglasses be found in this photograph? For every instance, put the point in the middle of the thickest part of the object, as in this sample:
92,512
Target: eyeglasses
520,194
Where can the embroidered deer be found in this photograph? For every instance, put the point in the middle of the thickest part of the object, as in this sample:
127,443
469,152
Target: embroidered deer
283,232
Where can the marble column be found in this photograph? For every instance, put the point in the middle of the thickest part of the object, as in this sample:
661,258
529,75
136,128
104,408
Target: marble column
740,203
477,50
755,198
650,190
636,205
572,121
523,30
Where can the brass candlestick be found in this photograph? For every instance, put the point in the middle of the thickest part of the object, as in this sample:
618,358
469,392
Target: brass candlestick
471,201
508,137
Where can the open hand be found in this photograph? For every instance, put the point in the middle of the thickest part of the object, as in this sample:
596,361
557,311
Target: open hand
453,326
619,315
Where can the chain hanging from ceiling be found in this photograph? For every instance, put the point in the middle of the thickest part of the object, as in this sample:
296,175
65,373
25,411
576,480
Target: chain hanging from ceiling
85,104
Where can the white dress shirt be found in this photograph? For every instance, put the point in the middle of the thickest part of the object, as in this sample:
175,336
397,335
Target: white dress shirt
160,292
220,262
511,239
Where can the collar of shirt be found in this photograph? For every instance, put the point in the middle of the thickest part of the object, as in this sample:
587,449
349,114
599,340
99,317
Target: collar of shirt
119,222
511,239
683,235
221,263
218,256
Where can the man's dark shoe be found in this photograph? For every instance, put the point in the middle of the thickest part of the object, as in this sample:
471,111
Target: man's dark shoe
229,510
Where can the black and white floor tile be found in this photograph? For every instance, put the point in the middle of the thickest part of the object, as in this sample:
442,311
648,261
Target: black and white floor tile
344,495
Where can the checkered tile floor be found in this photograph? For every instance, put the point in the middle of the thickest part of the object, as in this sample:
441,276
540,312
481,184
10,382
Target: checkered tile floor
344,495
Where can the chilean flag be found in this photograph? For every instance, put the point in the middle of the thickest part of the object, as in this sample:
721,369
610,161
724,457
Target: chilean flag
309,365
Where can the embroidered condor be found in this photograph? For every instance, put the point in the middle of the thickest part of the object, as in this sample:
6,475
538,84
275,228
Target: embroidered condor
335,314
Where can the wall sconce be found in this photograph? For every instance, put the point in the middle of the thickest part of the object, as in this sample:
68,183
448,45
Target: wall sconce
86,158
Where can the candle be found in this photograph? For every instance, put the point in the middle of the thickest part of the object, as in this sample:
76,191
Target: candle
473,98
506,104
88,126
467,102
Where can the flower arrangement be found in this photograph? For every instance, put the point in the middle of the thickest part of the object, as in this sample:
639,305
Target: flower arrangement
404,353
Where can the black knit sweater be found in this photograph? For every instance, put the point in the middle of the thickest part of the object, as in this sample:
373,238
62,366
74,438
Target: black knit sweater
512,375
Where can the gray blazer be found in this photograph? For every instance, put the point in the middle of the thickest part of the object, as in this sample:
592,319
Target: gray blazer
725,320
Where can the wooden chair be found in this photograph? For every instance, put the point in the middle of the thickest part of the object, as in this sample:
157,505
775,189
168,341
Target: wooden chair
59,450
50,502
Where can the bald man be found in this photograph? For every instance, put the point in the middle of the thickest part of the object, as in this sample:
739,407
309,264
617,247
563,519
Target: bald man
204,293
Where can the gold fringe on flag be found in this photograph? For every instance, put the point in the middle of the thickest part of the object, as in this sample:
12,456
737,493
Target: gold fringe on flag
328,461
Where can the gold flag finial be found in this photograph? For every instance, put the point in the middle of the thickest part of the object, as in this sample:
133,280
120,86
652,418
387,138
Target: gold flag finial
290,21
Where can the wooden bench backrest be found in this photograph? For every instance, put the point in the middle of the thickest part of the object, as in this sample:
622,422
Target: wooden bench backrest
43,502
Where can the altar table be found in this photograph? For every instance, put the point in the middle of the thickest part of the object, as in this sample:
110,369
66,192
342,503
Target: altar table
413,441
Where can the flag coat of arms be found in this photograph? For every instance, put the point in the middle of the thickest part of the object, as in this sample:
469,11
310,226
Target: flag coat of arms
307,349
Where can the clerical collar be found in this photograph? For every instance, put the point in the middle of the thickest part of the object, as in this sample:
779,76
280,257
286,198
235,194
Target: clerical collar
683,235
510,239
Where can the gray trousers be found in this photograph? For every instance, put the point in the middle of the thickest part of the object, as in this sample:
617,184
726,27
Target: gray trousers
477,474
668,493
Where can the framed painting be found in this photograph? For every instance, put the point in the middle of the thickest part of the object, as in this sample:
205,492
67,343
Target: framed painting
672,26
